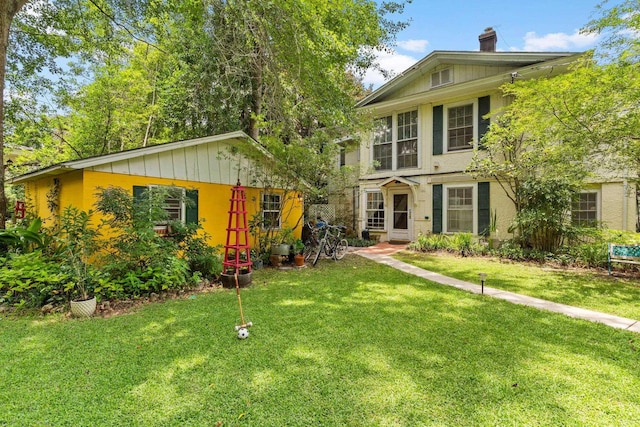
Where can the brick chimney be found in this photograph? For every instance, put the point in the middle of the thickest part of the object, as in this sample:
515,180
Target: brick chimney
488,40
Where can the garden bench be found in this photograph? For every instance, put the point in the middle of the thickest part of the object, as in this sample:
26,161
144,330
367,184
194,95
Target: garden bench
628,254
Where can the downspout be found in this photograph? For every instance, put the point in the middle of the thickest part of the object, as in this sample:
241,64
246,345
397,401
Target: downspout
625,204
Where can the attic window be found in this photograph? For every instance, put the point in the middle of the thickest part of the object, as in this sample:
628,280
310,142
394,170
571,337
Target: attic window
441,77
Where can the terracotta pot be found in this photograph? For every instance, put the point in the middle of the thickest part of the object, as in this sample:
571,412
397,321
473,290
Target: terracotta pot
83,308
299,260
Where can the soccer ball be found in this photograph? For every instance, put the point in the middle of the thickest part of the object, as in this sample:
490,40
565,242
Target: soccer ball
243,333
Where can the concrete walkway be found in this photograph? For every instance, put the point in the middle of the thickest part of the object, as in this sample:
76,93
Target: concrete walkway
382,251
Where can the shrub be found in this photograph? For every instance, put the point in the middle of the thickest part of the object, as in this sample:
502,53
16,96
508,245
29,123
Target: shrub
359,243
138,260
32,280
462,243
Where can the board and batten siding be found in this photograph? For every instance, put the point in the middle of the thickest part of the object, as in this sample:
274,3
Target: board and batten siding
202,163
460,73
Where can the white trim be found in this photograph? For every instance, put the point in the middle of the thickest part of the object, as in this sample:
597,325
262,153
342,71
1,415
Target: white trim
445,206
279,211
135,153
366,210
439,73
183,205
390,213
445,124
413,185
597,192
394,141
525,63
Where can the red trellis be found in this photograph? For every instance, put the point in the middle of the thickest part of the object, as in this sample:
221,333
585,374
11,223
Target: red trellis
237,234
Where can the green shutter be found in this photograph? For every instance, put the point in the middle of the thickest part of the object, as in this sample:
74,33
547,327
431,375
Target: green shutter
484,209
192,206
438,129
436,221
138,191
484,106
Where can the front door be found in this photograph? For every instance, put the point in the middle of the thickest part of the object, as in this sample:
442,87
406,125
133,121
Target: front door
400,227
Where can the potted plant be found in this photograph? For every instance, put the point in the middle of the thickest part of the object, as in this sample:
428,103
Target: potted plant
228,276
282,243
78,244
298,257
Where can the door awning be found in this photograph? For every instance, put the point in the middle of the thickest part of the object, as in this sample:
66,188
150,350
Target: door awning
398,180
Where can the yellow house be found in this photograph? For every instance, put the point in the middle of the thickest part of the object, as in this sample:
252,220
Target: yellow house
204,168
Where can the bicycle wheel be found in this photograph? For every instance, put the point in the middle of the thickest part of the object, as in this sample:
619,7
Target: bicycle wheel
329,247
310,248
341,249
320,248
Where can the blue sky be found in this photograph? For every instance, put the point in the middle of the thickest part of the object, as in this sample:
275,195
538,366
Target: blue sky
521,25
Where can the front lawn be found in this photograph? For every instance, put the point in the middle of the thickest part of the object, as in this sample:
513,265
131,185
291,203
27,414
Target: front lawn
591,289
346,343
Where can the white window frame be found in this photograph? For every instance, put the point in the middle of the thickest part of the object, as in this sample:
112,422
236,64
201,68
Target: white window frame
377,141
398,140
278,211
474,209
378,209
439,74
445,136
394,141
182,209
597,193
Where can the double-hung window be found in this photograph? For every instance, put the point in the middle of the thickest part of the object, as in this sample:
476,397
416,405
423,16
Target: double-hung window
383,143
459,209
271,207
174,202
375,210
584,211
180,204
460,127
395,141
407,140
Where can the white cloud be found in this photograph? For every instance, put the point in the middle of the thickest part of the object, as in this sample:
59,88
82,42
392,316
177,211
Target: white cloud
418,46
558,41
393,62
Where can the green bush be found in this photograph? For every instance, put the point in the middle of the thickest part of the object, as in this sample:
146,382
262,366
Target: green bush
32,280
359,243
464,244
137,260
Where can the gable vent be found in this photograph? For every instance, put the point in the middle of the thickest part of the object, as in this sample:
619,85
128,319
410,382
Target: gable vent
441,77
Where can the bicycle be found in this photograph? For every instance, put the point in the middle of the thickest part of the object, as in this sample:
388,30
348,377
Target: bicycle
312,243
332,243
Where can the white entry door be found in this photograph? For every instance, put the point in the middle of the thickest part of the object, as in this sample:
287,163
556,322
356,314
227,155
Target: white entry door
400,219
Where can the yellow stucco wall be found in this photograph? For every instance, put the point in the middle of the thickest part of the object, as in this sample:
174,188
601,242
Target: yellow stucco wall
79,188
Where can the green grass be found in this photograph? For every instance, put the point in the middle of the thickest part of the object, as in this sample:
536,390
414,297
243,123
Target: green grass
347,343
591,289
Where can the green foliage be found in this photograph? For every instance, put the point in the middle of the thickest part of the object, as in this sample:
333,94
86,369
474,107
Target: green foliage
201,257
543,221
25,239
139,261
464,244
356,242
78,239
32,280
371,346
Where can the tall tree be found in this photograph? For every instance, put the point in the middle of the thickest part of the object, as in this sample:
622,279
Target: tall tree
8,10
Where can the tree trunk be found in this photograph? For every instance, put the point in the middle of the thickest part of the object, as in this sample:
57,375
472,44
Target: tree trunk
8,9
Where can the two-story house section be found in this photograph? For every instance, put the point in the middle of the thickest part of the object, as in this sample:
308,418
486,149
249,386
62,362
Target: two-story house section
428,120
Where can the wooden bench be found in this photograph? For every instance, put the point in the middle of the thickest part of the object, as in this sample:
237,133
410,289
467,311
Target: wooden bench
628,254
